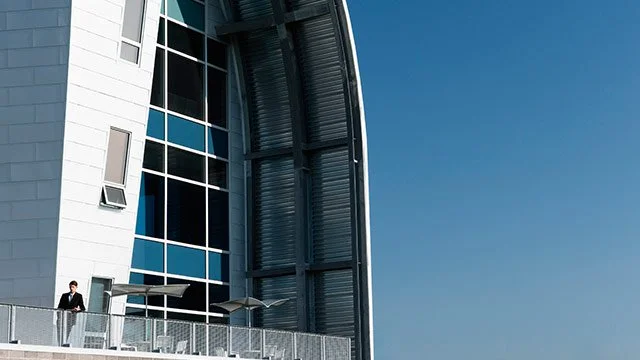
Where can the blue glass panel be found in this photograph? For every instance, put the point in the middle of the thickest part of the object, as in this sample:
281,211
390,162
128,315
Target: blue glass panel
155,125
187,11
162,7
186,133
185,261
218,142
150,220
148,255
218,266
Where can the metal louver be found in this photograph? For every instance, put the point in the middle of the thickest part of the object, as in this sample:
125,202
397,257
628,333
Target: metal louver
280,317
274,209
331,206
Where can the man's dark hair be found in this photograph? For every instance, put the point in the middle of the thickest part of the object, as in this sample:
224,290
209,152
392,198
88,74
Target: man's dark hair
74,283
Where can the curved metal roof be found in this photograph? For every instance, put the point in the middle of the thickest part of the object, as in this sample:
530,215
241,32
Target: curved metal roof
307,188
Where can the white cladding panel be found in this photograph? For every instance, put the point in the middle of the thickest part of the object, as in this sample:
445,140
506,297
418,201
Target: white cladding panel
34,38
104,91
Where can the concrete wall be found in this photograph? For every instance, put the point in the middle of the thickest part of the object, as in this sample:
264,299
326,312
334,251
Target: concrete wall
103,91
34,38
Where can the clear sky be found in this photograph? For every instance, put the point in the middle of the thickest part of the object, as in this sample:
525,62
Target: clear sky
504,143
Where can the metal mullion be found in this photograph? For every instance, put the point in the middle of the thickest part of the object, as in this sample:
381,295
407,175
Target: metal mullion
205,86
192,58
166,149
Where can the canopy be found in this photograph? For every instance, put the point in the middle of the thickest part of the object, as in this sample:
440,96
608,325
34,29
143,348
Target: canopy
248,303
176,290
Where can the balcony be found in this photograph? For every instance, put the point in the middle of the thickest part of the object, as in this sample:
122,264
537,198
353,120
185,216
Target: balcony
50,327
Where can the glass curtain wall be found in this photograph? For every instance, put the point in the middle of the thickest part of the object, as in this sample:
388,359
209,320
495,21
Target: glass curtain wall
182,230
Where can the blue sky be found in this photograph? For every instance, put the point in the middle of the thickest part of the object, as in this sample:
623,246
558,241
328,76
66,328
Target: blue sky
503,144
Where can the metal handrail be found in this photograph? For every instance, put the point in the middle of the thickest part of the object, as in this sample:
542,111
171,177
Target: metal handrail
53,327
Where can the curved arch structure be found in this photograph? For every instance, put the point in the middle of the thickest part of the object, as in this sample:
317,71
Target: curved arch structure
307,177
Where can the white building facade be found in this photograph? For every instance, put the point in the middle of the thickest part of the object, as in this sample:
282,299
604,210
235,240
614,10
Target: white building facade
216,143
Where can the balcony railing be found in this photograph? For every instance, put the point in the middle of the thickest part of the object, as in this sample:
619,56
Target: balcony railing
51,327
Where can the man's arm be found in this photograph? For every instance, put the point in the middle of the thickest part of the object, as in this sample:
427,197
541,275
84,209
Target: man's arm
60,302
81,304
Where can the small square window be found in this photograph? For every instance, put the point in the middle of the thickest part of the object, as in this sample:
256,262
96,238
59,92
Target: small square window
113,197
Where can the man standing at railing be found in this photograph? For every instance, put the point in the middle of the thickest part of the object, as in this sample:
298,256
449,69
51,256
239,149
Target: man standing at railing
70,301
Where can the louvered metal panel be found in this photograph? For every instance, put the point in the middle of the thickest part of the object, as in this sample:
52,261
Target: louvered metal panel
322,79
334,304
274,240
330,206
267,89
279,317
251,9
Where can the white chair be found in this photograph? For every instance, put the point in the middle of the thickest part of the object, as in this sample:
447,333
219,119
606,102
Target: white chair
219,351
181,347
164,343
270,350
279,355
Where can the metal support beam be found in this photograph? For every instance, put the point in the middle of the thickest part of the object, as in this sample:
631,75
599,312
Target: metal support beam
280,271
304,13
288,151
291,270
301,172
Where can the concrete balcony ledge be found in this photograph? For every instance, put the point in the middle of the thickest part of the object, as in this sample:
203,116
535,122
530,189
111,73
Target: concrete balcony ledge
22,351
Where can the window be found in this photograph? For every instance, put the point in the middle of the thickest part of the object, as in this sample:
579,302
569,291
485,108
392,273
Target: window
113,197
157,87
132,30
218,143
150,221
187,11
217,53
186,133
217,173
217,97
194,297
98,301
218,266
117,151
153,156
218,219
155,124
186,220
185,164
218,294
185,86
115,173
148,255
185,40
185,261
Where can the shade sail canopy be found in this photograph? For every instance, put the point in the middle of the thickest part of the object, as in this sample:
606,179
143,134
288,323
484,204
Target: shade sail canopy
248,303
176,290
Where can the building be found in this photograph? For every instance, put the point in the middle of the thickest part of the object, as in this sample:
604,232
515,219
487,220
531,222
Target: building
219,142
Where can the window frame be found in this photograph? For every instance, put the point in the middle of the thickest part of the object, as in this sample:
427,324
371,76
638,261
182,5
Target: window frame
106,184
136,44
